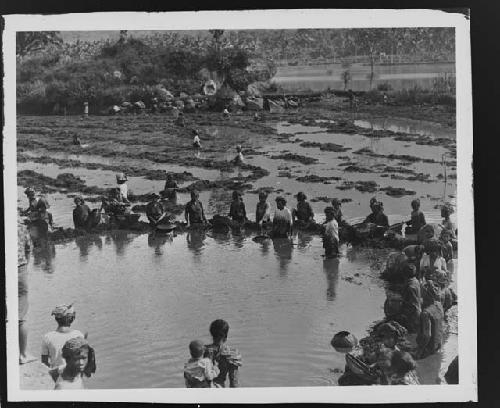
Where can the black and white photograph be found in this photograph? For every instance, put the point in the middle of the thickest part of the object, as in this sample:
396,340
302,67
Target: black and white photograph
272,200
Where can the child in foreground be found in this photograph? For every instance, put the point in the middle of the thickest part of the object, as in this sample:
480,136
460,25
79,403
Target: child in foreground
80,361
199,371
53,342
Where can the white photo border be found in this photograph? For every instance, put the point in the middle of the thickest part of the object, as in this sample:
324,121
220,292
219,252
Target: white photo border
466,390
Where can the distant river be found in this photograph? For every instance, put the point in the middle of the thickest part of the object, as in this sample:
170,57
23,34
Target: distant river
322,77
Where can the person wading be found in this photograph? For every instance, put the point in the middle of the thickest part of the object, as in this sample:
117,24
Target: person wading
193,212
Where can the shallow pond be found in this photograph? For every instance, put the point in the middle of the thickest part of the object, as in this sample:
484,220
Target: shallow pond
144,298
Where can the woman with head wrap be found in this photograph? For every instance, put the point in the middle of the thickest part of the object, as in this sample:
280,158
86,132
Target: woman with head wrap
430,331
80,361
80,213
53,342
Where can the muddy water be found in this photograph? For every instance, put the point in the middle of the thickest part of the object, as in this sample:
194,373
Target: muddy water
143,298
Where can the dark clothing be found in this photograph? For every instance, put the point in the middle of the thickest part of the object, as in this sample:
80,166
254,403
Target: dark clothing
154,210
304,211
194,212
337,214
417,221
170,186
228,361
451,375
430,333
263,212
379,219
412,304
447,251
237,211
81,216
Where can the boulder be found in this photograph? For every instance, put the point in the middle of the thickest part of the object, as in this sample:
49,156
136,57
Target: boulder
139,105
255,104
210,88
275,107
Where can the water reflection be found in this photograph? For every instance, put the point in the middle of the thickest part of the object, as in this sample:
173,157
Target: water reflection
283,248
195,243
43,255
303,240
331,269
157,241
121,241
85,243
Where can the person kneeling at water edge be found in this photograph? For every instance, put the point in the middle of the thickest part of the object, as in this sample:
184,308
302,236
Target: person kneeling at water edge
330,234
193,212
80,361
282,221
53,342
227,358
199,371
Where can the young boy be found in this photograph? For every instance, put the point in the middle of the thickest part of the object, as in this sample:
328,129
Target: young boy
331,234
53,342
199,371
80,360
417,220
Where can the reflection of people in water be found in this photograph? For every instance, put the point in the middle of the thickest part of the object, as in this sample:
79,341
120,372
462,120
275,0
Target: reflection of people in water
121,241
43,255
331,269
157,241
195,241
283,248
303,239
85,242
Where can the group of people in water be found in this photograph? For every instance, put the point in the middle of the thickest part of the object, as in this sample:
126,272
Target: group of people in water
418,308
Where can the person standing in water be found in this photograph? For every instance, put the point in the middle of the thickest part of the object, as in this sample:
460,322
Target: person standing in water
170,188
53,342
80,361
80,213
263,210
331,234
121,180
85,109
303,213
196,140
193,211
227,358
237,211
282,220
446,211
23,249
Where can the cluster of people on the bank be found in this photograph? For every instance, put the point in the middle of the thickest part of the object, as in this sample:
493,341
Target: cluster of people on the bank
415,311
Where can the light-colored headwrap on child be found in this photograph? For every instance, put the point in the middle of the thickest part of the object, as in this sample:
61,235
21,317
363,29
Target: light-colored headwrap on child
63,310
